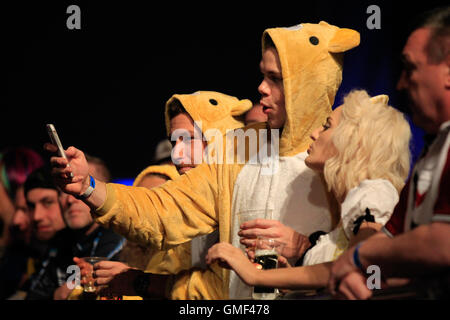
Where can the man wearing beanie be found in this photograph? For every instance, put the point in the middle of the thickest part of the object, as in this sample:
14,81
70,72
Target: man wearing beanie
43,201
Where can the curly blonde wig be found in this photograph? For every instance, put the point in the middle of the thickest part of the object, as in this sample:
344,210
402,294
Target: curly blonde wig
372,142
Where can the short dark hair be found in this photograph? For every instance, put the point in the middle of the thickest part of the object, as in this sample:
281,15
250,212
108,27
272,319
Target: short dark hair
175,108
104,168
268,42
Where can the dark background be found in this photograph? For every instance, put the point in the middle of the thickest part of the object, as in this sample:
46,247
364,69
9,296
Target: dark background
104,86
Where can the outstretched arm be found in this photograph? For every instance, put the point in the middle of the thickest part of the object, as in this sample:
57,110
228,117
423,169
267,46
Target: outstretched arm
305,277
310,277
162,217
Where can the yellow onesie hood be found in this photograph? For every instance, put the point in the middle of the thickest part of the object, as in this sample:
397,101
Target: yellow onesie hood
311,57
165,169
215,110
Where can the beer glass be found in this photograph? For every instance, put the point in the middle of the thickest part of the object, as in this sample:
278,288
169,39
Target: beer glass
267,251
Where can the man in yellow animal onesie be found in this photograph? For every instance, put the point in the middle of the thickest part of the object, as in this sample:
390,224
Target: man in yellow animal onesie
193,108
181,111
302,68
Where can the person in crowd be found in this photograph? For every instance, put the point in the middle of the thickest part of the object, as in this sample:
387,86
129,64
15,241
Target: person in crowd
84,237
363,152
15,165
22,250
181,113
45,208
212,195
163,153
415,242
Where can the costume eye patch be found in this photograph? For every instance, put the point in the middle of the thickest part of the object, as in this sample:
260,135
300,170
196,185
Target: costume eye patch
314,40
213,102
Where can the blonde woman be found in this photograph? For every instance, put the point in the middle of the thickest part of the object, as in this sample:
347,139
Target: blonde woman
363,153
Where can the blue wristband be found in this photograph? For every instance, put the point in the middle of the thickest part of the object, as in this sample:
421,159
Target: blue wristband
356,260
89,190
92,182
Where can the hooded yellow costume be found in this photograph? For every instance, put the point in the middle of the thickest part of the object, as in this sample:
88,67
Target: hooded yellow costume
212,195
212,110
168,170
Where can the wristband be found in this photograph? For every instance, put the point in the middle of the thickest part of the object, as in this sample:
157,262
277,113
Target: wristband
356,260
89,190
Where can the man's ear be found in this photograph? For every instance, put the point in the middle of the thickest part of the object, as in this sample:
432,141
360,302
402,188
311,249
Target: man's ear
343,40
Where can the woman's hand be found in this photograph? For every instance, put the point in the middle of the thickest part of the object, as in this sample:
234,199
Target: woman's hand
102,272
233,258
85,268
105,271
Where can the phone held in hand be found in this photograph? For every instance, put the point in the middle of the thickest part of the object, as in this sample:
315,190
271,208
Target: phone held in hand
54,138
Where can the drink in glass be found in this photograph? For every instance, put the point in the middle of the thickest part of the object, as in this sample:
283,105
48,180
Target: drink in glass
267,251
89,286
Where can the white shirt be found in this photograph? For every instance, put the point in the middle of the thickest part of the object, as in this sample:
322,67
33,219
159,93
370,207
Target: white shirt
379,195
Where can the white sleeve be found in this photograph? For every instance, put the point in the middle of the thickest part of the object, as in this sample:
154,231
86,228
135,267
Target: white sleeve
378,195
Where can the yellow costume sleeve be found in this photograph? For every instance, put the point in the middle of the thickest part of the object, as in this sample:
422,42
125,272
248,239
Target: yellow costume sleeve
164,216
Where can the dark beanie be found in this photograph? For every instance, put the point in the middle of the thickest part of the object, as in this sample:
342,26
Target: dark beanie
39,178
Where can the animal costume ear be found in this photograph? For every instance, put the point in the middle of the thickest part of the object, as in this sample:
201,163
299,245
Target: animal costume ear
382,98
343,40
241,107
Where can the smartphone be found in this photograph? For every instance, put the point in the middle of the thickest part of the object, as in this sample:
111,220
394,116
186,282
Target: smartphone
54,138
